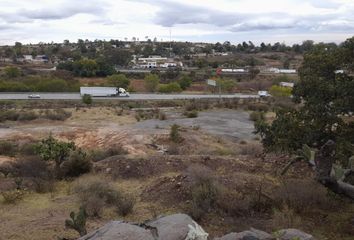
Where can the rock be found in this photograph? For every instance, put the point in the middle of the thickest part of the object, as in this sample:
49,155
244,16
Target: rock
290,234
119,230
252,234
172,227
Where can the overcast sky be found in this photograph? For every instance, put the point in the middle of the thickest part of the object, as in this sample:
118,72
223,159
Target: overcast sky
288,21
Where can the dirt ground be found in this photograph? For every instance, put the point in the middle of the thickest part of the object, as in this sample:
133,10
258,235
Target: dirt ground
220,140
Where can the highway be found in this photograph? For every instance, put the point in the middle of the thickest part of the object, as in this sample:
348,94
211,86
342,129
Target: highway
149,96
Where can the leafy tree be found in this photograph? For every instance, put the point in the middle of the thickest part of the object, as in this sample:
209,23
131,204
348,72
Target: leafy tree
185,82
118,80
227,85
151,82
170,87
12,72
85,67
326,98
50,149
279,91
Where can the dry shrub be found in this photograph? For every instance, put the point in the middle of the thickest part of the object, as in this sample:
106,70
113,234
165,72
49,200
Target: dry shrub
12,196
57,114
173,149
251,149
28,149
96,192
285,218
101,154
204,190
256,116
125,204
301,195
27,116
77,164
6,169
35,170
7,148
232,204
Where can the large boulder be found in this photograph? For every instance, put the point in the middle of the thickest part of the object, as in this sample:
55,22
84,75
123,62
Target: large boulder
172,227
119,230
252,234
290,234
177,227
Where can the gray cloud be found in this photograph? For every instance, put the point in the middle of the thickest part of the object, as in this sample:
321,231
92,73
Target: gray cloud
62,10
172,13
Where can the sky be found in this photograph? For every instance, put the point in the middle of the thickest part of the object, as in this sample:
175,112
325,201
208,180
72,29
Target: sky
288,21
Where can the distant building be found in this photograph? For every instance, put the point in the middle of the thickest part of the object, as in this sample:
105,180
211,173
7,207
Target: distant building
287,84
41,59
284,71
156,62
28,58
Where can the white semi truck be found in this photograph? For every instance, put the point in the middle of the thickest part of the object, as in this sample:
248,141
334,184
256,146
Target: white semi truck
104,92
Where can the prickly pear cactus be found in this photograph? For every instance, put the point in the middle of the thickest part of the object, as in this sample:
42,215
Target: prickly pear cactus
77,222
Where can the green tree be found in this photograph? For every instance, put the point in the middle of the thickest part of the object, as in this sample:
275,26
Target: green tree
12,72
185,82
50,149
226,85
118,80
151,82
169,88
85,67
325,97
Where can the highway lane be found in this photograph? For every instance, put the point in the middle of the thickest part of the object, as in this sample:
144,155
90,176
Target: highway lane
148,96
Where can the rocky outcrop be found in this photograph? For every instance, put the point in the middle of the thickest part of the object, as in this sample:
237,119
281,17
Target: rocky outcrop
290,234
252,234
173,227
119,230
181,227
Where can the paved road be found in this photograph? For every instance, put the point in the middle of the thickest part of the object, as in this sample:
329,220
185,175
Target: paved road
73,96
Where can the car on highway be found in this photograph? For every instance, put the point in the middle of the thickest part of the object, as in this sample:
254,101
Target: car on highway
34,96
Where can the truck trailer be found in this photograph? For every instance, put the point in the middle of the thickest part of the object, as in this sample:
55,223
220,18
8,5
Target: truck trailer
104,92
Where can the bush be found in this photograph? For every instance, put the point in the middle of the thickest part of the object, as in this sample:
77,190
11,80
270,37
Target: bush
257,116
6,168
185,82
151,82
7,148
301,195
251,149
118,80
87,99
279,91
169,88
8,115
191,114
174,134
285,218
204,190
12,72
125,204
12,196
28,149
57,114
162,116
76,164
95,193
27,116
